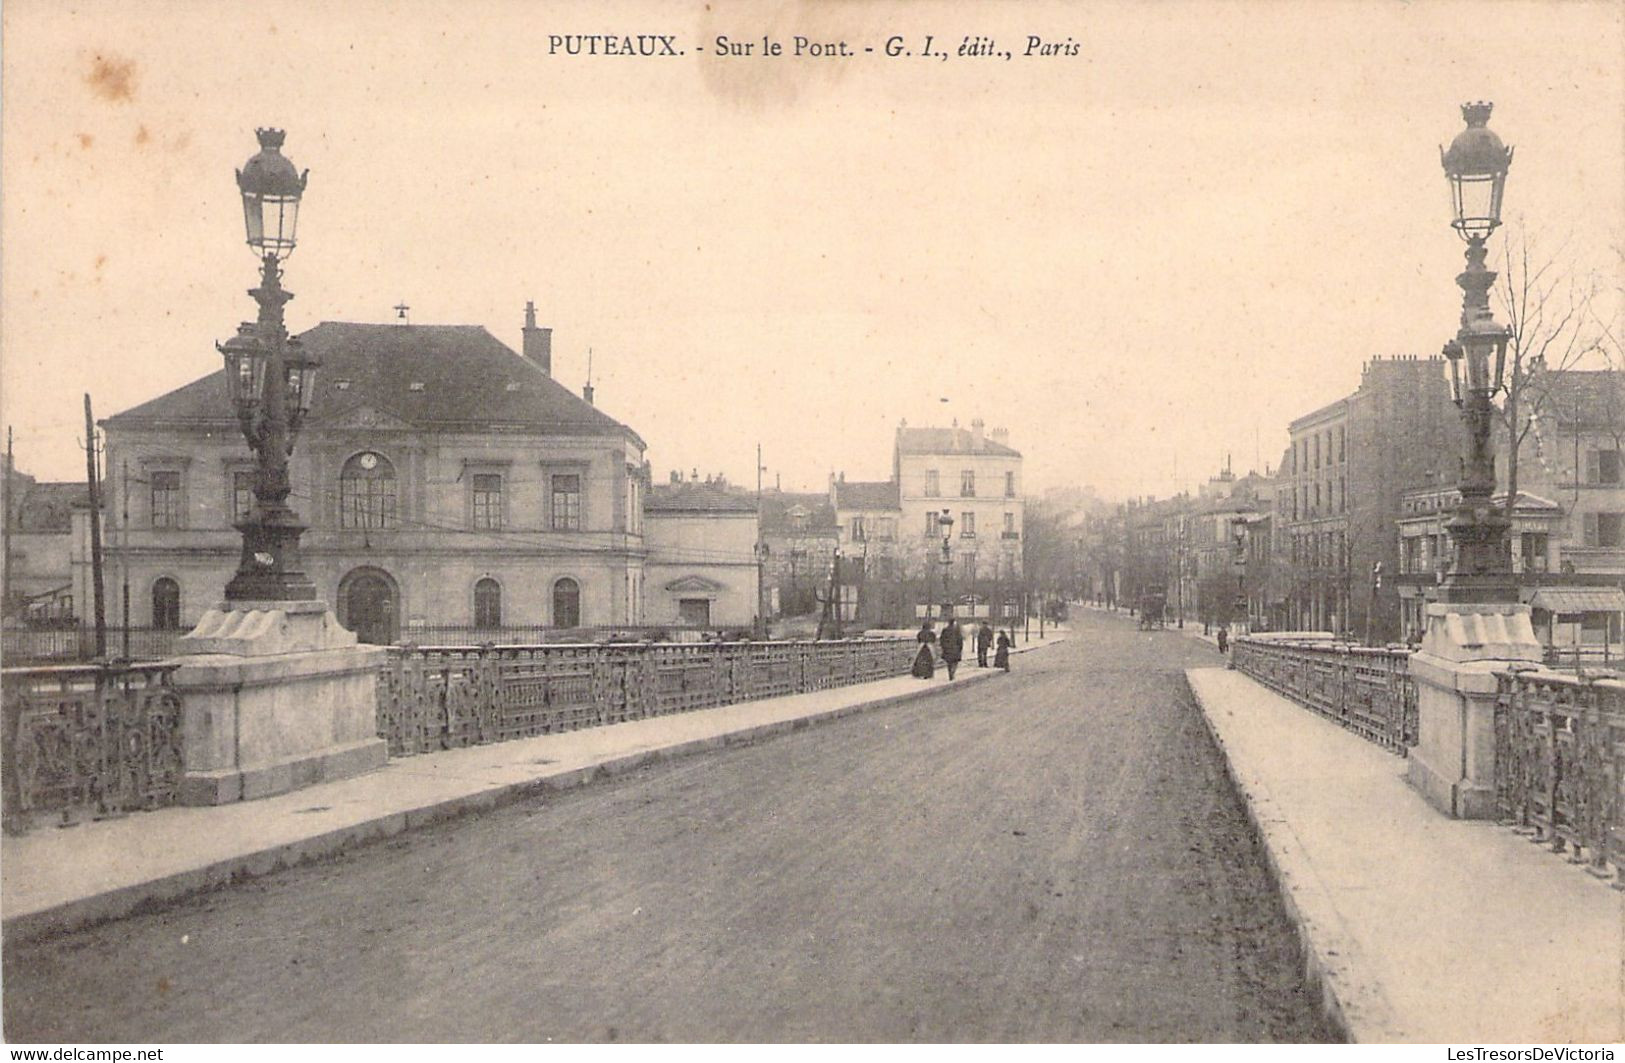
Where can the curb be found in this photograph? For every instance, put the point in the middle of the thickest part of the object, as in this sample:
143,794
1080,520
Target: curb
160,892
1329,980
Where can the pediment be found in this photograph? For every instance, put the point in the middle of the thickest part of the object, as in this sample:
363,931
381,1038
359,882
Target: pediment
693,585
366,416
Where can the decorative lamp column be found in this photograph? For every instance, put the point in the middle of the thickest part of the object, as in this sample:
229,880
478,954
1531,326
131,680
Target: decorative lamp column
946,523
1478,628
1476,164
277,694
271,382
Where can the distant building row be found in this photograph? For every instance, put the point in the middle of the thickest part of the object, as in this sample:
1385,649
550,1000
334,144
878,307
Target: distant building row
1348,533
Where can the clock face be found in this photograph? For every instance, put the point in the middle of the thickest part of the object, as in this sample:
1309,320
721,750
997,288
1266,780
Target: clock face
369,461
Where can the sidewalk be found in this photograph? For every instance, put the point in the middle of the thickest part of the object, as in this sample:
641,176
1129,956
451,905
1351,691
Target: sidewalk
1417,928
52,880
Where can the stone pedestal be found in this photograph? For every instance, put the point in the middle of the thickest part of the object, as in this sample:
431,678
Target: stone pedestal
1453,763
277,696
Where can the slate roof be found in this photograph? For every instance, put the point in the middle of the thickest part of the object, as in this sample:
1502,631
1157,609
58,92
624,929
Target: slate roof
48,507
469,378
1599,395
776,507
948,441
856,494
691,497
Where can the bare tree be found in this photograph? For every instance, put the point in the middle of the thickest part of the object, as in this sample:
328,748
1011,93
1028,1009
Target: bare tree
1552,326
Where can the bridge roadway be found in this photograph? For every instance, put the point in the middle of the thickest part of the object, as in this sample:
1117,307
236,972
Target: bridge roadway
1055,856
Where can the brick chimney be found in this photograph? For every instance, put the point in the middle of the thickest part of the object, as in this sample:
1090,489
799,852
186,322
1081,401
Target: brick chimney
976,434
1001,436
538,341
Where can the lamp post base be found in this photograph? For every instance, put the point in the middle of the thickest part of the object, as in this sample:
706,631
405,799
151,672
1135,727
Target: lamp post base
270,569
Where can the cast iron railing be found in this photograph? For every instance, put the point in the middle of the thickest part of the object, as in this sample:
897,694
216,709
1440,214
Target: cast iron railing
26,646
1560,765
443,697
88,740
1369,691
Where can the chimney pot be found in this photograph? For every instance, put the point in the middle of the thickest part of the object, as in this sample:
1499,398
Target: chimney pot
538,345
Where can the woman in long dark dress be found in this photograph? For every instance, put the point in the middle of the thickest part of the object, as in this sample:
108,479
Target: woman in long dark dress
1001,656
925,665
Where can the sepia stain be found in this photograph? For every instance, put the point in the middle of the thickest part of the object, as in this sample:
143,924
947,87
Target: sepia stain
749,79
141,135
112,78
86,140
163,985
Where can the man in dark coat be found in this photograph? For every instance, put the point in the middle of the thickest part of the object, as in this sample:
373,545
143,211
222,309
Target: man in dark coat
951,644
984,642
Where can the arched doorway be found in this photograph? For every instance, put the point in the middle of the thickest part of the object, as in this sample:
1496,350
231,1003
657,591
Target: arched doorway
370,606
566,603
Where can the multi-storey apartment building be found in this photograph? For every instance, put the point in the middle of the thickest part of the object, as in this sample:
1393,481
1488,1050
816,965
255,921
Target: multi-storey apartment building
975,477
1339,488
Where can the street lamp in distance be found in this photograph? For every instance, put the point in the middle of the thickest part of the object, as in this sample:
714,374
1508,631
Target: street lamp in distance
945,521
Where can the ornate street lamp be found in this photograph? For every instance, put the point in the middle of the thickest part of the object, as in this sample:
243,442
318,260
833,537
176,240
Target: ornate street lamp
1476,165
946,523
271,382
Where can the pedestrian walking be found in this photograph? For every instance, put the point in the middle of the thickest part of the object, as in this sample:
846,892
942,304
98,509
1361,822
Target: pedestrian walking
984,642
1224,640
952,645
925,665
1001,656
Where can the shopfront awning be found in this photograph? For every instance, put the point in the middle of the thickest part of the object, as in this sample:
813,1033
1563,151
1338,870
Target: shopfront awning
1568,600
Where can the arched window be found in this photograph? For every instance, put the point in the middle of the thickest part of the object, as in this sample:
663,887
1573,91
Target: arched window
367,492
566,603
166,604
487,603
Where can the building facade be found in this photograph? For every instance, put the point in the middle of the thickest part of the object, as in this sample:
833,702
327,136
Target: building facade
1339,488
975,476
700,567
447,481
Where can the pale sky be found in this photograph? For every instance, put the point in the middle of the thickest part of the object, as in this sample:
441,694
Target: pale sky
1137,258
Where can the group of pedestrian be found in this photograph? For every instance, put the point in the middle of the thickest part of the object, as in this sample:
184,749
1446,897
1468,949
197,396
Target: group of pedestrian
951,646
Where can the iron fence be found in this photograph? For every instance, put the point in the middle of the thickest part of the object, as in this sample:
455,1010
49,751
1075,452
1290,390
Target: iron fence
1560,765
88,740
27,646
1369,691
444,697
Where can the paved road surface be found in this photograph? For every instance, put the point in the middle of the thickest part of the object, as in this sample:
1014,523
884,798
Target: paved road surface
1053,856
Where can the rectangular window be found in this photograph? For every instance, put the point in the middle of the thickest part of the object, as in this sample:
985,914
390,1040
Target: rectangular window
933,486
967,525
1009,485
1604,529
857,530
567,503
931,530
967,566
242,495
1010,524
166,499
886,528
487,489
1602,467
694,612
967,483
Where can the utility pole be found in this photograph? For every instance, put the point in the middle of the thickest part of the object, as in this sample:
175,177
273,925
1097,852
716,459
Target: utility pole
761,552
11,473
124,542
95,529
